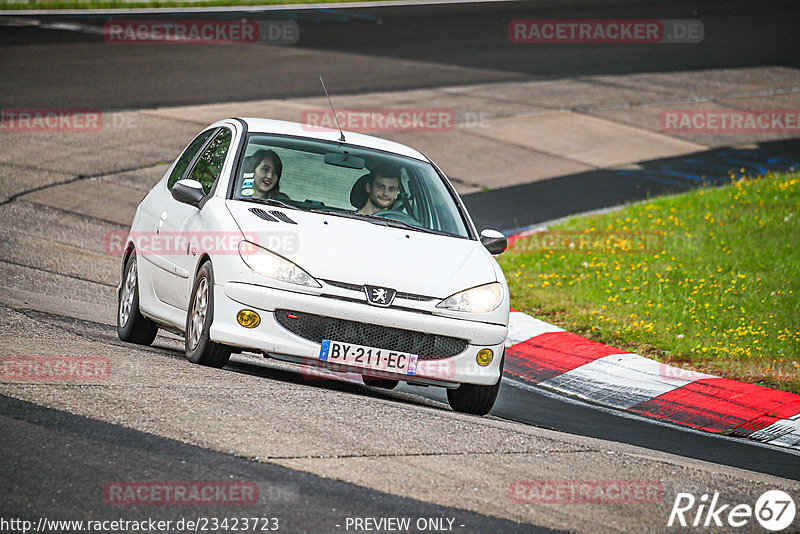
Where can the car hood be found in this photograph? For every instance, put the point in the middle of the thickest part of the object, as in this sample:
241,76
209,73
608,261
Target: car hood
358,252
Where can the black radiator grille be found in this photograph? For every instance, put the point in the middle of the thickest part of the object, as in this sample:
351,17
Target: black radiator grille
360,289
317,327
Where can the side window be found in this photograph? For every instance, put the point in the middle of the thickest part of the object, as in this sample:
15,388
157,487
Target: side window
187,156
208,166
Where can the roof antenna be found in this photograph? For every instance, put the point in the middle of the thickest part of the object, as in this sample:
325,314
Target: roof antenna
333,110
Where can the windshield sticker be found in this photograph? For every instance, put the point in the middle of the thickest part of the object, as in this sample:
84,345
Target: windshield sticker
248,180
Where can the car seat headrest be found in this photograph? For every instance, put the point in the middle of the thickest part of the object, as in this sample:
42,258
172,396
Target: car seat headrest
358,194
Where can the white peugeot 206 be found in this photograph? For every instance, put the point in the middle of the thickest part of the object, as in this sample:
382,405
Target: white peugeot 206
327,249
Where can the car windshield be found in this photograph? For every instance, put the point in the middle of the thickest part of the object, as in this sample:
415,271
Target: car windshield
348,181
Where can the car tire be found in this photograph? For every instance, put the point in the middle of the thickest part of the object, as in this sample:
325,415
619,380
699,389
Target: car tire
383,383
474,399
199,347
132,326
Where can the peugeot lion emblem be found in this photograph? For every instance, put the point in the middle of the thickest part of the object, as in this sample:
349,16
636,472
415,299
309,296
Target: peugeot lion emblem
379,296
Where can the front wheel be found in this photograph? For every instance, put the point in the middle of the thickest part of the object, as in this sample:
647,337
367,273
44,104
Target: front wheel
474,399
199,347
132,326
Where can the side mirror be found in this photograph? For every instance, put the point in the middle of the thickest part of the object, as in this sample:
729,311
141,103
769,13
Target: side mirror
494,241
188,192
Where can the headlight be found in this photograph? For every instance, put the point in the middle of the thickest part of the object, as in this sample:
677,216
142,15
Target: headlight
481,299
273,266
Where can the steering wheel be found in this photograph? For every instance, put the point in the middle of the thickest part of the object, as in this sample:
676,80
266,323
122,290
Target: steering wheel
397,216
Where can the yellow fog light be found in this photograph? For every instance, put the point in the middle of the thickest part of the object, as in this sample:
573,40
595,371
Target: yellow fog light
484,357
248,318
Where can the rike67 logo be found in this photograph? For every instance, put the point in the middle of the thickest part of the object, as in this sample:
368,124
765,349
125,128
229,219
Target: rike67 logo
774,510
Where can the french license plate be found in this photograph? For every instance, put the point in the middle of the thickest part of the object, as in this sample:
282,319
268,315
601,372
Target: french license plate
368,357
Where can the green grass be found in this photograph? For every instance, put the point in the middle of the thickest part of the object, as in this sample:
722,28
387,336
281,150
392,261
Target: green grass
133,4
708,280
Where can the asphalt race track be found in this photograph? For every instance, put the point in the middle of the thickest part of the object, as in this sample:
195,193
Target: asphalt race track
78,449
323,451
538,202
371,49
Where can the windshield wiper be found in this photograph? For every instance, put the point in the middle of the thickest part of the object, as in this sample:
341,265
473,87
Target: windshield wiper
350,215
401,224
381,221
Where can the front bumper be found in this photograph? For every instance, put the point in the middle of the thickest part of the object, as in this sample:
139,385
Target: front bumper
272,338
